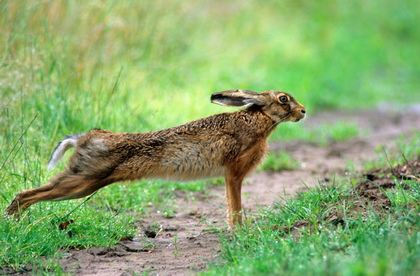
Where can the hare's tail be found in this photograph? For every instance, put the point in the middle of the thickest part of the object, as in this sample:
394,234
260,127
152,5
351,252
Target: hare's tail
65,144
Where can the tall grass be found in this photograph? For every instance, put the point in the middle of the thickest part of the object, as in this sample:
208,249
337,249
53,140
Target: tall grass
70,66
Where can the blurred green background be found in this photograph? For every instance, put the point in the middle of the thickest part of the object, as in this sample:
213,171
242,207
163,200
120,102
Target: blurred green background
145,65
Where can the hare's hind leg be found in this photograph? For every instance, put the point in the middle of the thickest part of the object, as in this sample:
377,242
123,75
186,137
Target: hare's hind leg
62,187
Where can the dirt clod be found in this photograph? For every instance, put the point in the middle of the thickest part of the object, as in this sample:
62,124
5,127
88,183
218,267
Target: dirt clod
377,181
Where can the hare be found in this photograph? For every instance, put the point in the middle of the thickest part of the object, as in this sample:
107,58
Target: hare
227,144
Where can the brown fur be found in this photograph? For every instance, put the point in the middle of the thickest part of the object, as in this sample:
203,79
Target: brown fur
227,144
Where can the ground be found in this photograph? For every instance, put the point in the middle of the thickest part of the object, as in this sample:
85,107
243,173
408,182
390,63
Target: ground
185,243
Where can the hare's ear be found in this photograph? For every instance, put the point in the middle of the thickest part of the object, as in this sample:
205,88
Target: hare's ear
237,97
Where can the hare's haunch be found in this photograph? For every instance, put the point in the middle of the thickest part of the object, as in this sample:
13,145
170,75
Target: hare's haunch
228,144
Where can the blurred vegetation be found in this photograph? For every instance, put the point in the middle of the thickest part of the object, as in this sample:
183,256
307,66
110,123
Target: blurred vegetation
143,65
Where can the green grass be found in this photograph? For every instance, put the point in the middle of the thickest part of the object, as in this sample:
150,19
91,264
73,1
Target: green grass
329,230
304,237
321,135
68,67
276,161
405,149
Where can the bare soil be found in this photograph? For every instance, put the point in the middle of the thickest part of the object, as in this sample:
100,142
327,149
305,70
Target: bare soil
185,244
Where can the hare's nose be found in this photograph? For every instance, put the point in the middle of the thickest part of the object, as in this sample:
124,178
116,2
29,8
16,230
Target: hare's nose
303,111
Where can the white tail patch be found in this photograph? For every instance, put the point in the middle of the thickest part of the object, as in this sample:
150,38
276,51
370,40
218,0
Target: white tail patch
62,147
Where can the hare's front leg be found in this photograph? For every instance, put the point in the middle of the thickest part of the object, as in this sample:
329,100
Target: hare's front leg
233,197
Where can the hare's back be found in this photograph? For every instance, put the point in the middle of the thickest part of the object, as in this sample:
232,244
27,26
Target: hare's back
192,159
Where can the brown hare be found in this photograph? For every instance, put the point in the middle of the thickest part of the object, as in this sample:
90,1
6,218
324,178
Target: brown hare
228,144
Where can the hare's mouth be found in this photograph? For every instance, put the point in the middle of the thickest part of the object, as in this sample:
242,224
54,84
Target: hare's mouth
297,119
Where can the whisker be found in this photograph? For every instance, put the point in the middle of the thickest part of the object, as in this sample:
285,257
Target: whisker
281,121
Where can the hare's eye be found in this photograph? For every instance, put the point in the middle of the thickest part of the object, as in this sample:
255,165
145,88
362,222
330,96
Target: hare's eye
283,99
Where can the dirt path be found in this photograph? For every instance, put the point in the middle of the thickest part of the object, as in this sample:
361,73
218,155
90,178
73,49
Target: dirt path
185,244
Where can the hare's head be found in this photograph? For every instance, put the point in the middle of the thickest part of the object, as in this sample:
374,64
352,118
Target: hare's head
279,106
